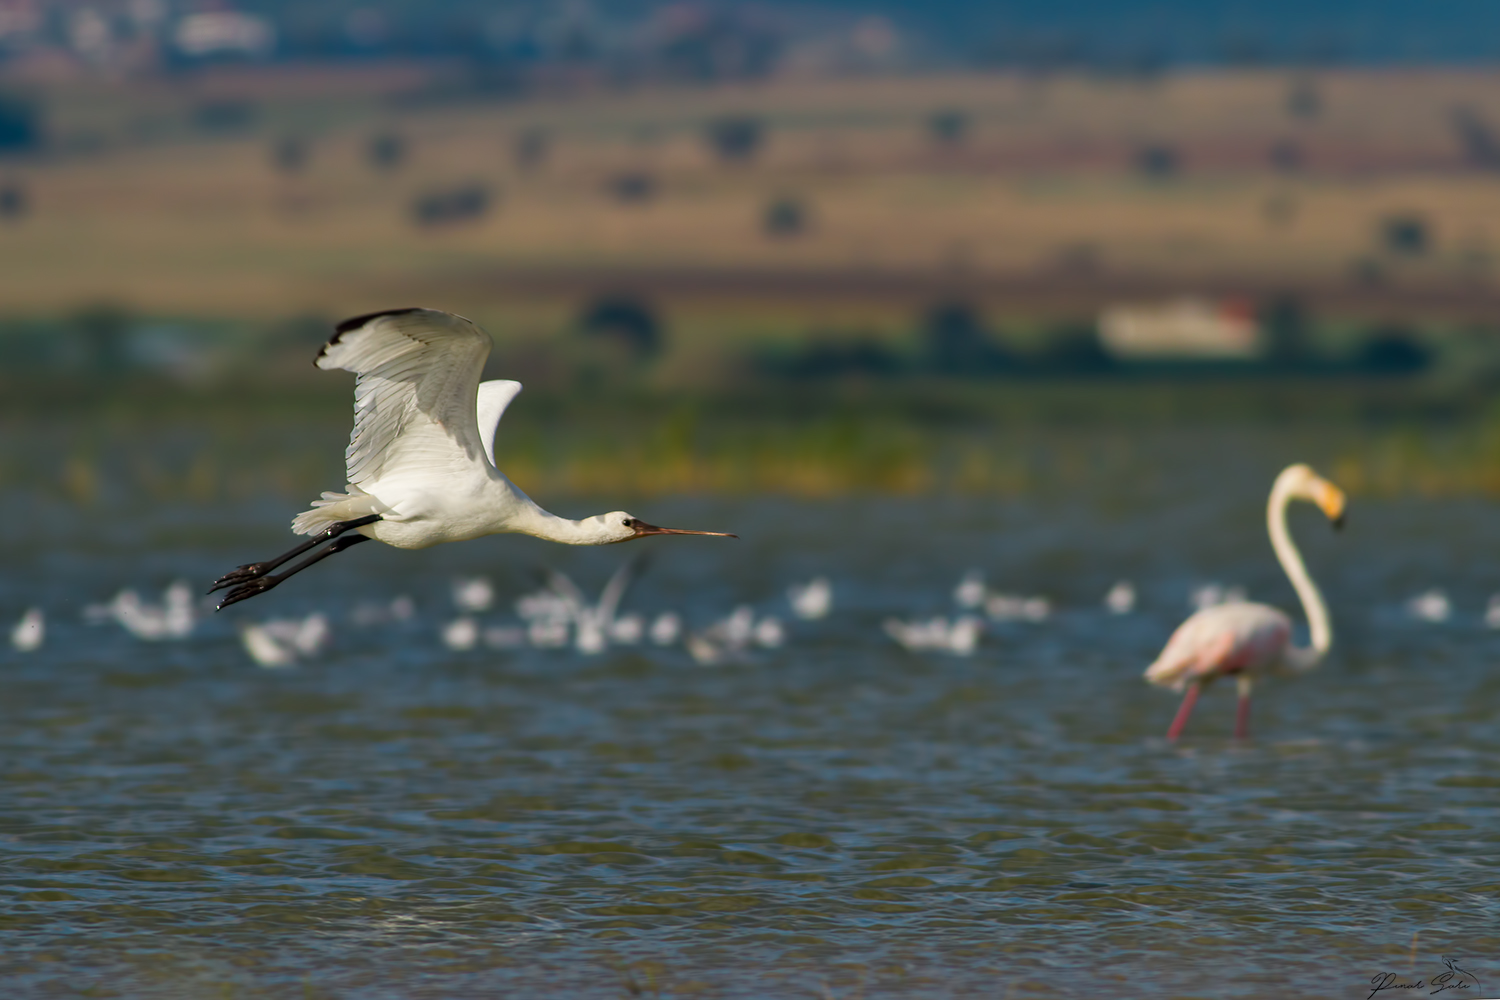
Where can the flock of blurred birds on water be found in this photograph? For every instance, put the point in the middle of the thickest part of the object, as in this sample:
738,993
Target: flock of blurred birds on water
559,616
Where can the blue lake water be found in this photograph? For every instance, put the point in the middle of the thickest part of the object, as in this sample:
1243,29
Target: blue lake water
835,818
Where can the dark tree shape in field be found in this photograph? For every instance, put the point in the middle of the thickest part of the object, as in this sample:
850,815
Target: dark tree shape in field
1480,144
386,151
955,341
225,116
785,217
625,320
1407,235
736,138
531,147
948,127
1287,156
465,203
20,124
836,355
631,187
1287,332
14,203
103,328
1393,350
1304,100
1074,348
291,154
1158,161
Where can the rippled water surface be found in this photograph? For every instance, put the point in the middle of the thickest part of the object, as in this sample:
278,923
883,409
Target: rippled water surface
837,818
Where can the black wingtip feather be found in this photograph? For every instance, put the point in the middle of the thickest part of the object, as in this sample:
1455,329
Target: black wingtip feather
355,322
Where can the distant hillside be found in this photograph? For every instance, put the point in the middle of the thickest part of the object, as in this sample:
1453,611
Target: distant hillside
1136,36
1208,30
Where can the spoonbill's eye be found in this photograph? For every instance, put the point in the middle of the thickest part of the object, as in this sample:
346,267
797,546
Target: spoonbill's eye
629,522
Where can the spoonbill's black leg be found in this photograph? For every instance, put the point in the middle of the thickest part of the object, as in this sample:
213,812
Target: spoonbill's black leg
261,584
251,571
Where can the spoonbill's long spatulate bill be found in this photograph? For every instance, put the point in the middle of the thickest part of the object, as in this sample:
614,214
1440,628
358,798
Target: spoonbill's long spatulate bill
421,462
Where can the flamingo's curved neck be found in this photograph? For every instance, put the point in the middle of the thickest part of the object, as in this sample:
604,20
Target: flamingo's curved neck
1312,600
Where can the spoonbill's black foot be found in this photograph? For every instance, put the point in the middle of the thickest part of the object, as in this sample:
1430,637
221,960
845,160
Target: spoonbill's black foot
261,584
249,571
254,571
249,589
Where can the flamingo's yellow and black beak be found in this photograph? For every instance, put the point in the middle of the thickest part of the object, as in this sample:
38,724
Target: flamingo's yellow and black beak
642,529
1331,501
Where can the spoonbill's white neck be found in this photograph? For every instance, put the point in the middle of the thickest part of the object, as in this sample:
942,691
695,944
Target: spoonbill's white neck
601,529
531,519
1299,658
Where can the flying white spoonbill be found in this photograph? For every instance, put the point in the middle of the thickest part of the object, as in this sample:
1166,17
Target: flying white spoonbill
421,459
1245,640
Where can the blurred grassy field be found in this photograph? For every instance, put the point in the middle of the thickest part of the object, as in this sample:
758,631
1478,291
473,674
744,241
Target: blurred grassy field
1040,214
1040,203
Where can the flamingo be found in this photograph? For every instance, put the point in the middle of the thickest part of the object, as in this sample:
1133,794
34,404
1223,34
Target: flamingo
1246,640
421,460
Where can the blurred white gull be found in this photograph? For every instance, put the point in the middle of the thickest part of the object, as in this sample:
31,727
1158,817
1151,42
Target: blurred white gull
1211,595
1431,606
1017,608
667,628
547,617
769,633
172,619
30,631
970,590
378,613
730,638
505,637
595,625
280,642
1121,598
460,634
811,600
959,637
473,594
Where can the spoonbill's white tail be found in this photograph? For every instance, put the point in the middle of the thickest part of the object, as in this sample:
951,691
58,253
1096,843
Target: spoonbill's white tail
421,464
1246,641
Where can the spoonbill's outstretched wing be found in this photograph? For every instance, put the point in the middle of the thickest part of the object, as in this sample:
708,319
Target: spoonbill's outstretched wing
415,395
494,397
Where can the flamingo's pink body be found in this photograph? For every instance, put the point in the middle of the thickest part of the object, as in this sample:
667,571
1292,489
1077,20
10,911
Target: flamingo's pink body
1248,641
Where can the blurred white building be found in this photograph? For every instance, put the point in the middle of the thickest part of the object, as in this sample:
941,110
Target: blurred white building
1184,329
223,33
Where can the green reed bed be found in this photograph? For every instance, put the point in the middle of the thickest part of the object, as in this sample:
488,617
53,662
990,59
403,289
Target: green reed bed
161,443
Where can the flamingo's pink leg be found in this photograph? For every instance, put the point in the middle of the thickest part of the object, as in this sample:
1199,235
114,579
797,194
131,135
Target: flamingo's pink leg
1184,710
1242,719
